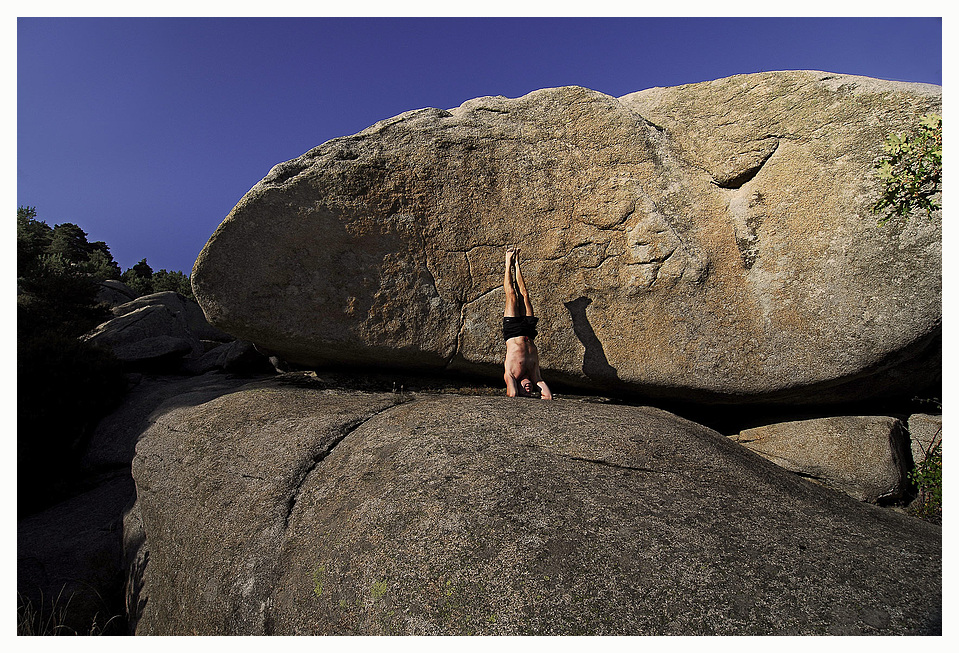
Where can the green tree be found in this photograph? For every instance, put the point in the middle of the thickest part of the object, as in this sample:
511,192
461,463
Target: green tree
70,243
144,280
139,277
175,281
64,385
911,170
100,265
55,291
927,476
60,250
33,238
143,269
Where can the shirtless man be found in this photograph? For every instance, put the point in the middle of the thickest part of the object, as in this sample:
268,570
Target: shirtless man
519,329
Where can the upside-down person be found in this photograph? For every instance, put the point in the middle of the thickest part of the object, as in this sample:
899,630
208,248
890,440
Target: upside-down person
522,375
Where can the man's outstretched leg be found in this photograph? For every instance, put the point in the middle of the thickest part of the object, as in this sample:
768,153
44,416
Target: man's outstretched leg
513,305
527,305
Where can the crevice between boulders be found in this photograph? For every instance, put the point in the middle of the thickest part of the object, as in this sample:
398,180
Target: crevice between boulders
344,431
807,475
606,463
462,325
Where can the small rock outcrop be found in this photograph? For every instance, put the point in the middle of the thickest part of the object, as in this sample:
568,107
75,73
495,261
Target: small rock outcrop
114,293
925,432
149,335
237,356
167,332
709,242
282,508
188,311
865,457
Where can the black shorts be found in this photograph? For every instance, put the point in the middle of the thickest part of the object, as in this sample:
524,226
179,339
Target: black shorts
519,326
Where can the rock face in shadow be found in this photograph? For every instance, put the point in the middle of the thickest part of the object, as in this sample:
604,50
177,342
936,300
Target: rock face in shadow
70,556
709,242
113,443
147,335
281,508
166,332
69,559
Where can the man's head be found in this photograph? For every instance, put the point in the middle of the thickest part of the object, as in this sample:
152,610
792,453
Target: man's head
520,387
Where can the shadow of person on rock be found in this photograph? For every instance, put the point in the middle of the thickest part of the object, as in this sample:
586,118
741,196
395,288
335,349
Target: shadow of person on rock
595,364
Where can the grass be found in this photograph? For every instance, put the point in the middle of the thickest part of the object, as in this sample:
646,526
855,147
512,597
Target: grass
38,622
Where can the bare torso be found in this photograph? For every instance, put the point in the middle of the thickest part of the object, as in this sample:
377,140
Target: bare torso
522,364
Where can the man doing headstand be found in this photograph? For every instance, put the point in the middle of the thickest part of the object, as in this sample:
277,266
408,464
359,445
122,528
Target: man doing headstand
519,329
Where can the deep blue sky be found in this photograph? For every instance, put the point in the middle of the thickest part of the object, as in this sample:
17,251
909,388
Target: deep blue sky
146,132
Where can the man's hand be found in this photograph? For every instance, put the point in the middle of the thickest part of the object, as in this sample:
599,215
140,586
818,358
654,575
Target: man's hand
544,390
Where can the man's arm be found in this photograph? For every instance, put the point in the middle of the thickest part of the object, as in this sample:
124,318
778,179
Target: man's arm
512,385
544,389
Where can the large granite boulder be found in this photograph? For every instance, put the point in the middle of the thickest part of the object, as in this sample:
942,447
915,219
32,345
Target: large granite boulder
709,242
282,508
112,444
865,457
